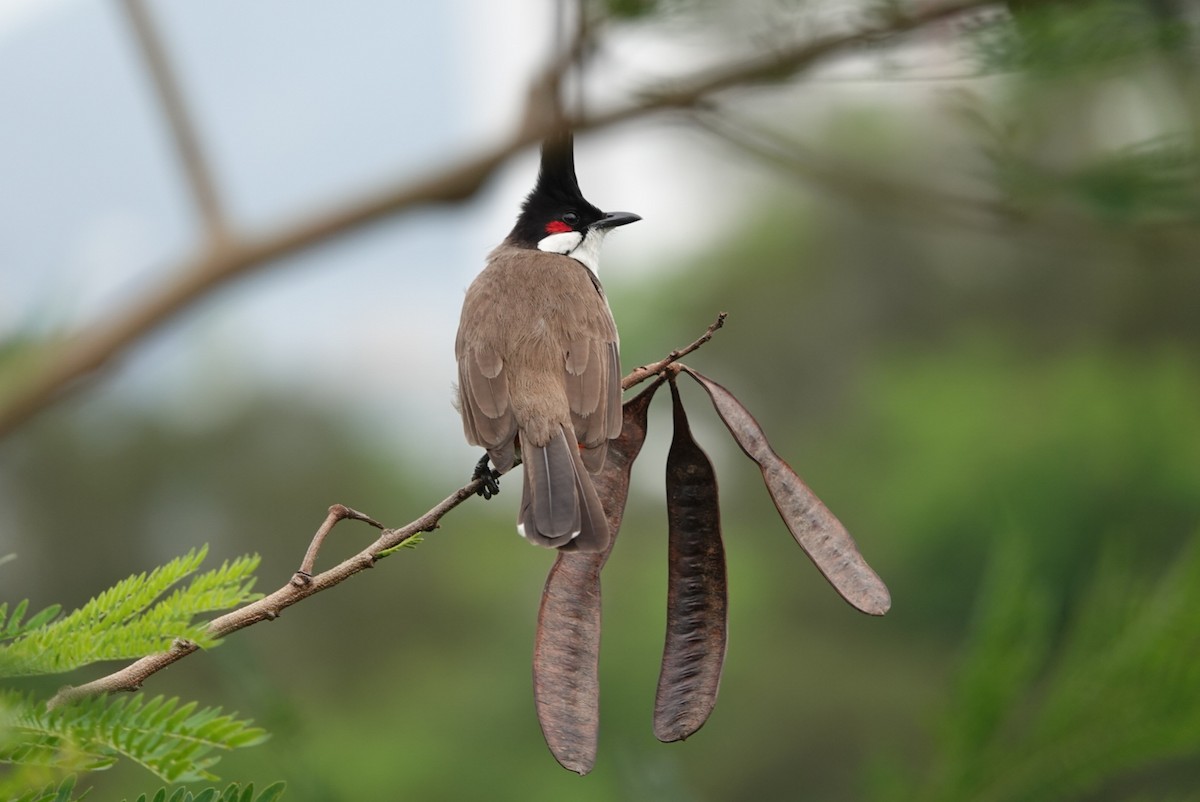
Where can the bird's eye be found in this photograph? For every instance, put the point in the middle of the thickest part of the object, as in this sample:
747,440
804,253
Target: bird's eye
570,218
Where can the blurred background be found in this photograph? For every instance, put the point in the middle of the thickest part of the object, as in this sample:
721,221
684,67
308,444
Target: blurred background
960,268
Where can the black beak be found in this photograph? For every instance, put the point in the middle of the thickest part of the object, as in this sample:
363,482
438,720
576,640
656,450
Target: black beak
614,219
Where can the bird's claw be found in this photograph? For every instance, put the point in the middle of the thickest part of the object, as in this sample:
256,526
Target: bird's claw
490,484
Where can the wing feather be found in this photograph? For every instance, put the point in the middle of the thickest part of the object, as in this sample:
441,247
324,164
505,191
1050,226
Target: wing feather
483,386
613,394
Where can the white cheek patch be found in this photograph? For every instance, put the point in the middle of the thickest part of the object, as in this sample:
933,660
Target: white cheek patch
584,248
562,242
588,251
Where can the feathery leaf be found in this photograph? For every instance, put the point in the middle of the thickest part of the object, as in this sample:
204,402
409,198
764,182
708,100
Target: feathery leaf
177,742
12,626
231,793
131,619
63,792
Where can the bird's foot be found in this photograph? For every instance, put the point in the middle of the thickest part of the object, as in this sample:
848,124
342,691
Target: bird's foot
491,478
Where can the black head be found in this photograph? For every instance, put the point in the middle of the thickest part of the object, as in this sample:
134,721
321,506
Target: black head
556,205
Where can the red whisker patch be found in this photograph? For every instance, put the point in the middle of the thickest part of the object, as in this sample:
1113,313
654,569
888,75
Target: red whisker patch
557,227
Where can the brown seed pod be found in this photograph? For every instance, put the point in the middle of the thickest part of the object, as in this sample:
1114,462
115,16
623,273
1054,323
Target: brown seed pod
697,596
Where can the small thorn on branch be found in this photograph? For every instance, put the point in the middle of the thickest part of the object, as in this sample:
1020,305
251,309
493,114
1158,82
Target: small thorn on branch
337,512
343,512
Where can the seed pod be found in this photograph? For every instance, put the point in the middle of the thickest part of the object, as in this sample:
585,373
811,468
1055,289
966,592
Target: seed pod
566,653
819,533
697,596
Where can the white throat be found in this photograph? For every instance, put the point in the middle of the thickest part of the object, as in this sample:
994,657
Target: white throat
583,248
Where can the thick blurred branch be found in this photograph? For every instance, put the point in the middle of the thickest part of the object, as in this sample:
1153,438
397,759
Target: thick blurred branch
852,181
63,364
920,199
304,583
547,104
784,63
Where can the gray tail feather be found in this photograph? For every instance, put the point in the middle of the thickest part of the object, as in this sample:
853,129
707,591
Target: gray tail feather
593,533
559,505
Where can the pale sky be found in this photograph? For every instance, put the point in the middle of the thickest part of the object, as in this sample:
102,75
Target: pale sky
296,106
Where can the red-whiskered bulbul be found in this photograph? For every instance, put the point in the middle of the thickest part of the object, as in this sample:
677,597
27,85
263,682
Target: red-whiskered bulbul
538,357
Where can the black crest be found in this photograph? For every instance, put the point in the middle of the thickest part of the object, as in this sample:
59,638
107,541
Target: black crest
556,177
556,193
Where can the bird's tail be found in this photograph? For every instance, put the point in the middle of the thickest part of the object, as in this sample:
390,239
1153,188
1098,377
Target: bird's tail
560,508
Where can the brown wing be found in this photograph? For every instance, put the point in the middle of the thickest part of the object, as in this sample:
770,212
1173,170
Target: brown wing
483,398
593,381
574,326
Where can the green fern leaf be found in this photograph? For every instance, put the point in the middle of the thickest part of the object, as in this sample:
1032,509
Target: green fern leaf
272,792
131,619
232,793
104,628
13,621
178,743
12,626
63,792
409,543
21,745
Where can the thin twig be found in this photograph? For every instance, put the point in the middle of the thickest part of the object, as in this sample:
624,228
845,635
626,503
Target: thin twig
900,197
639,375
304,583
183,131
268,608
783,64
338,512
545,106
68,361
852,181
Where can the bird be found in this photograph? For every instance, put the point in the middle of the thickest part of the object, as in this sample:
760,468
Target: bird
538,353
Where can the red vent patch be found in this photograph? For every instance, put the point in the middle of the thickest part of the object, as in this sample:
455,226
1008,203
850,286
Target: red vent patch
557,227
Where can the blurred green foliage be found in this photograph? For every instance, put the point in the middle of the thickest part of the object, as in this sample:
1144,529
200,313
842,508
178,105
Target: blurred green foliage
1043,713
416,676
1055,39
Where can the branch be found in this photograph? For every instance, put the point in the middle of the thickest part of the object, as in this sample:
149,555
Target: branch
96,346
852,181
304,583
300,587
545,107
91,349
183,132
785,63
639,375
